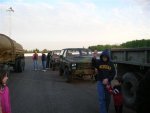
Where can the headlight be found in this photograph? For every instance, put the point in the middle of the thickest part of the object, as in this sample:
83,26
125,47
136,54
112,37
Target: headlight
73,66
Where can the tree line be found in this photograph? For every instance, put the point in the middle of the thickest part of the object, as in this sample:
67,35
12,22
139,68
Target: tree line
39,51
144,43
130,44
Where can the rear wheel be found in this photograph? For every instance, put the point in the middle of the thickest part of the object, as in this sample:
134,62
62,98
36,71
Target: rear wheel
60,71
15,66
20,65
129,88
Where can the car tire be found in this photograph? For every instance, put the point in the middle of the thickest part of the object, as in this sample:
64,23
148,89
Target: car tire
60,71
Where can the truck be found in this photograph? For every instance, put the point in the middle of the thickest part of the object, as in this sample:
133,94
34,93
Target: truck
76,63
131,65
11,54
54,62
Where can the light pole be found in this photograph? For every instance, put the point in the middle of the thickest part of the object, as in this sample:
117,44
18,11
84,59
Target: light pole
10,10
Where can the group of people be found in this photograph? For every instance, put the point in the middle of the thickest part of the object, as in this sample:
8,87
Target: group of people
108,84
45,60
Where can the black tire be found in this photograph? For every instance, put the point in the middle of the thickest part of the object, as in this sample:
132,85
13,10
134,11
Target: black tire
129,88
61,71
20,67
68,75
15,67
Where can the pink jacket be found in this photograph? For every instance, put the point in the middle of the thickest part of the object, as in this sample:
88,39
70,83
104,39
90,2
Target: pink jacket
5,100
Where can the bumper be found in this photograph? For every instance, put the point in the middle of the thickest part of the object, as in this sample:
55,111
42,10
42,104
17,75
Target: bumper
83,72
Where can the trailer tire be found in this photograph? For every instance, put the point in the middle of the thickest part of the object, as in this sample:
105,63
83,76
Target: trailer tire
129,88
15,67
21,65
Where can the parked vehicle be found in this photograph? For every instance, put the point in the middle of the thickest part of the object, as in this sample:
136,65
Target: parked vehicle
132,64
75,62
54,62
11,54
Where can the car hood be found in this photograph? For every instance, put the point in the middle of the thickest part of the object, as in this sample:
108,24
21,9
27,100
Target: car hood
80,59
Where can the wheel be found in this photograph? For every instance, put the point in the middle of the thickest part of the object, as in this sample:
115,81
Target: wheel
15,67
68,75
60,71
20,67
129,88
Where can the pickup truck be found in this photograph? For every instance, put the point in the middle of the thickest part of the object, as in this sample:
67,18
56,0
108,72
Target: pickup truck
75,62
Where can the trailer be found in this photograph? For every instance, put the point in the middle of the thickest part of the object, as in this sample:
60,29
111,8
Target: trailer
131,66
11,54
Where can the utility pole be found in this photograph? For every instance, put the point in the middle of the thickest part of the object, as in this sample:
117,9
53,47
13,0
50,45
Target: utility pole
10,11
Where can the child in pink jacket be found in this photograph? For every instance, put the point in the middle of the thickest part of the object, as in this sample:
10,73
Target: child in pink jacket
4,94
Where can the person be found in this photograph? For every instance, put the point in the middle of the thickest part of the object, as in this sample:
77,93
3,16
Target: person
48,60
43,58
106,72
143,95
4,94
35,60
94,63
115,90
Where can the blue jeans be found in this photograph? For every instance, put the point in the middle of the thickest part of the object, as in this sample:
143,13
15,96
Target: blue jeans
35,64
104,97
44,64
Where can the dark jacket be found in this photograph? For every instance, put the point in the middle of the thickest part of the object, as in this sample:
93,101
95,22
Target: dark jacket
48,56
105,69
94,62
43,58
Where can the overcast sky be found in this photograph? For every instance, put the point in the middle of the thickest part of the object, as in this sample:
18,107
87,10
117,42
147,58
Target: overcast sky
57,24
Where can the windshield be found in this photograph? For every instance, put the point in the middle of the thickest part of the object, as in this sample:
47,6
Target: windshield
78,52
56,52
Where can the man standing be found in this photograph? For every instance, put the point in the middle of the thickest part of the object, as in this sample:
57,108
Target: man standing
43,58
106,72
35,60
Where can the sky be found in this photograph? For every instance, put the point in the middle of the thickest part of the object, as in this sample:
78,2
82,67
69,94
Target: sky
58,24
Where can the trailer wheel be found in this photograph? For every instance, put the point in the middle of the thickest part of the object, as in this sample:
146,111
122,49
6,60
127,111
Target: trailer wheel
15,67
21,65
129,88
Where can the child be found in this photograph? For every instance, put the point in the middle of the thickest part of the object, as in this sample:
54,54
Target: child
4,94
115,90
